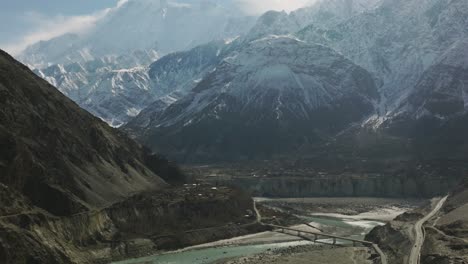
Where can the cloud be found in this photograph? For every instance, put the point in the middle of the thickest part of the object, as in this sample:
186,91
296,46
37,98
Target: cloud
46,28
256,7
121,3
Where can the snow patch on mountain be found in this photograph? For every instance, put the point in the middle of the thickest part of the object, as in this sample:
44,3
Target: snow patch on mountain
277,81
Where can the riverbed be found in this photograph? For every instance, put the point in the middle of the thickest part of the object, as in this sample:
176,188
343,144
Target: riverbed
350,219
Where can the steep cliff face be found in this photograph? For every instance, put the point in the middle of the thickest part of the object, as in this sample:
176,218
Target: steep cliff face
397,41
434,114
441,92
61,157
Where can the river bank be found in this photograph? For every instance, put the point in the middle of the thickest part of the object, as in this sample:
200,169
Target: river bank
340,216
308,254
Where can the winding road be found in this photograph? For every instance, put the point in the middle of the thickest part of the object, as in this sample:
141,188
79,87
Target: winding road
257,213
419,233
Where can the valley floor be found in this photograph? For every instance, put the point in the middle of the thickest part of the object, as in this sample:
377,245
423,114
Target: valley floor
341,216
308,255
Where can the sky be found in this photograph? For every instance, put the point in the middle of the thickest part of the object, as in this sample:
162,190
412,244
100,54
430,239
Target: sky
25,22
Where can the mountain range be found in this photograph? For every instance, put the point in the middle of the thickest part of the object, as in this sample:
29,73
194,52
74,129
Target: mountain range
107,72
274,89
403,64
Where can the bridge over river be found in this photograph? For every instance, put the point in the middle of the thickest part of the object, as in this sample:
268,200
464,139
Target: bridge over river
318,237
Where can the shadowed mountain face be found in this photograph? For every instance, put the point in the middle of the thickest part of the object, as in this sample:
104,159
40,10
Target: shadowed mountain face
413,51
272,96
59,156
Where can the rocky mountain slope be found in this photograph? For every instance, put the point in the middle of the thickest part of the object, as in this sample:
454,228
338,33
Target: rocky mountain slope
103,88
74,190
397,41
61,157
177,74
276,89
434,114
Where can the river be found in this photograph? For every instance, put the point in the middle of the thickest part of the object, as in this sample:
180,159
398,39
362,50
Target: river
333,223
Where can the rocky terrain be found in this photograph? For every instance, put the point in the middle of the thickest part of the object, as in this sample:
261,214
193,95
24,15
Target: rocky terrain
74,190
445,234
58,155
142,225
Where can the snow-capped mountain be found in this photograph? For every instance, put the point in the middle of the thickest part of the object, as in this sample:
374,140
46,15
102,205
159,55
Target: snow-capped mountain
107,70
397,41
434,116
105,89
272,95
323,14
175,75
149,117
181,71
442,91
160,25
118,94
291,80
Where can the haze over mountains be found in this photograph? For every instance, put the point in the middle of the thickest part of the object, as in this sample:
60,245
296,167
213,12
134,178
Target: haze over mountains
105,70
337,98
406,54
